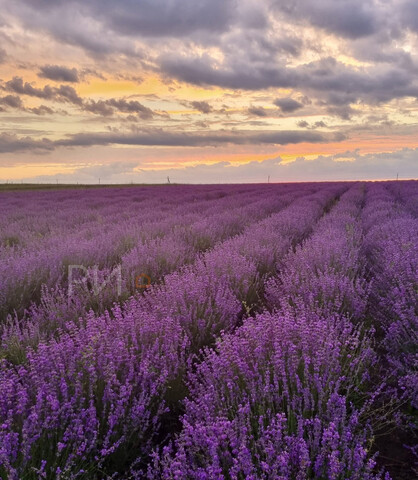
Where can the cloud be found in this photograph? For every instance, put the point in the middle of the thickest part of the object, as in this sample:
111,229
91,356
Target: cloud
206,70
156,137
287,104
63,93
150,18
343,111
108,107
42,110
66,93
409,14
70,23
12,101
3,55
335,58
341,84
330,168
15,102
246,45
103,27
13,144
17,85
131,106
257,111
191,139
99,107
107,171
349,18
328,80
202,106
59,73
305,124
159,18
355,167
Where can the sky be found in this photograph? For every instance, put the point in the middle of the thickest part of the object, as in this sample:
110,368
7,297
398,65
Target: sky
208,91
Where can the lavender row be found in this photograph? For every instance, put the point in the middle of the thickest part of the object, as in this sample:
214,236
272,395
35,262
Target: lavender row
277,399
32,217
108,213
44,262
24,271
157,257
406,192
104,387
326,273
390,245
212,295
160,256
32,212
153,259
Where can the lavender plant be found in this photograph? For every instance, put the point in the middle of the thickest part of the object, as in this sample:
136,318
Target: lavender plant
262,349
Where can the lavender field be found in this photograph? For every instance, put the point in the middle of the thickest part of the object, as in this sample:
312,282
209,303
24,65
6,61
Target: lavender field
210,332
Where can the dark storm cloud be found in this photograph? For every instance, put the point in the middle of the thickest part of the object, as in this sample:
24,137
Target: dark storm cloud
12,144
59,73
257,111
287,104
202,106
